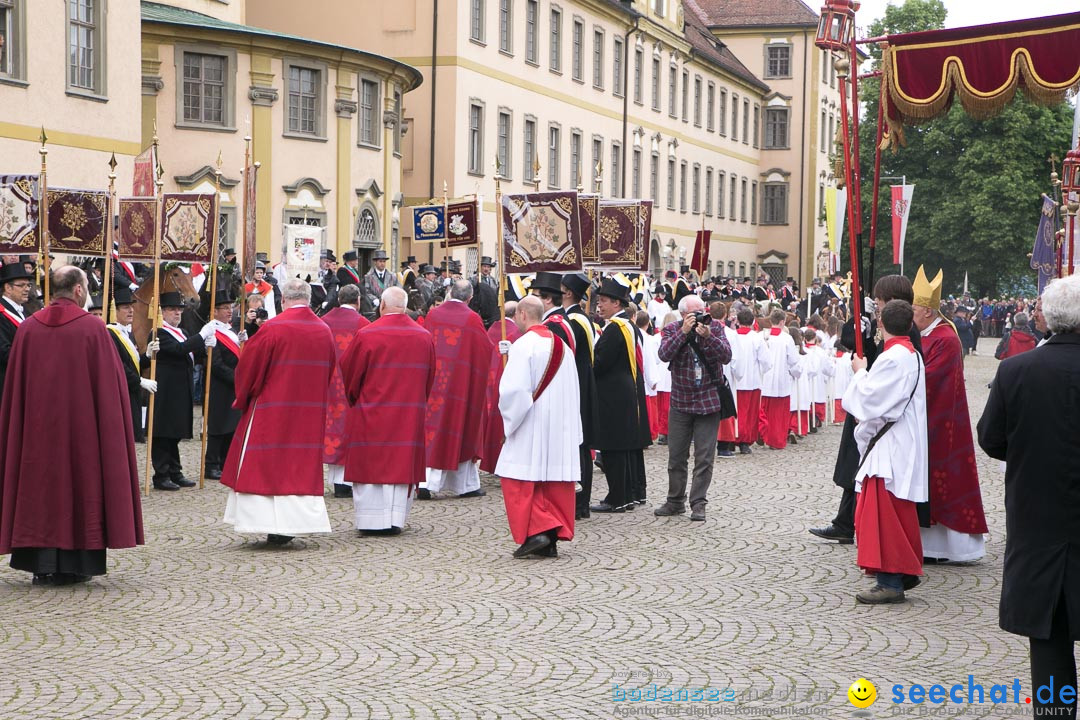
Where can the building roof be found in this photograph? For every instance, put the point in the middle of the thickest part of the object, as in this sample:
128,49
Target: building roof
741,13
168,15
706,45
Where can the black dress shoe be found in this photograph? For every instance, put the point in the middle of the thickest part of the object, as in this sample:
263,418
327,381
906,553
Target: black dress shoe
183,482
605,508
423,494
165,485
832,533
381,532
550,551
911,582
279,539
479,492
342,490
213,473
661,439
42,579
69,579
533,544
744,449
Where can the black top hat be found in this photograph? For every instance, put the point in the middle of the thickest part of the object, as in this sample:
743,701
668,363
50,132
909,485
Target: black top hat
122,295
260,265
549,281
228,251
577,283
379,255
485,260
262,257
329,255
684,268
350,255
13,272
171,300
223,297
428,269
95,301
410,260
614,289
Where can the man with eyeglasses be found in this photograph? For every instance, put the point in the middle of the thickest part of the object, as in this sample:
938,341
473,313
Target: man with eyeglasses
16,288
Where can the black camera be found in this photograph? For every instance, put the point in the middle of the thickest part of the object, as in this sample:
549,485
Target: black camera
262,314
701,318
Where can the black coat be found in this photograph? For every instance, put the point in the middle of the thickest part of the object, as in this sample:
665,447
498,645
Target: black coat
625,425
7,337
132,375
221,416
1030,422
485,303
344,277
583,356
175,398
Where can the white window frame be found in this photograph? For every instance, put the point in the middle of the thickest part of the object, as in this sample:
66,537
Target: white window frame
528,137
554,155
96,28
532,30
577,50
598,57
506,27
555,39
504,142
618,57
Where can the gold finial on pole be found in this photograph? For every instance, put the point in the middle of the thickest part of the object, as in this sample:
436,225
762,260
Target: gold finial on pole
536,171
43,216
599,177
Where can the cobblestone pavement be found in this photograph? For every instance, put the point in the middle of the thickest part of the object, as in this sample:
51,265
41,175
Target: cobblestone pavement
441,622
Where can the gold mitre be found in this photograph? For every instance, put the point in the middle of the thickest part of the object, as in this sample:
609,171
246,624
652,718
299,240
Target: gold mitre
927,294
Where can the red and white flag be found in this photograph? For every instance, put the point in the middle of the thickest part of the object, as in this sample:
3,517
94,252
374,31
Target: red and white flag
145,173
901,208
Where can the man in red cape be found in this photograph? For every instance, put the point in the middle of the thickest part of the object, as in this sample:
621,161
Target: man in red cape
70,485
456,407
493,424
956,509
344,322
388,370
274,468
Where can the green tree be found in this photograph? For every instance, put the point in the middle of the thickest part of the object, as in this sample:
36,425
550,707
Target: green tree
978,182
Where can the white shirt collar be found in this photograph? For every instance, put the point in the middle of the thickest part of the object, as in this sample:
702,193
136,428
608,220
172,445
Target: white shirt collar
550,312
930,327
14,306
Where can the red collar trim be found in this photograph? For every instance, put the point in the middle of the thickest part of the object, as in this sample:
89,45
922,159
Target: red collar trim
178,334
901,341
775,331
743,330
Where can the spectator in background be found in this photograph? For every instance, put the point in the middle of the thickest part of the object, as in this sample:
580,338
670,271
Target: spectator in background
964,330
1018,340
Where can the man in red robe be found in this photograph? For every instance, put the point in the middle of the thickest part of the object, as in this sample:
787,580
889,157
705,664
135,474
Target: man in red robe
456,407
956,510
344,322
388,370
69,486
493,425
274,467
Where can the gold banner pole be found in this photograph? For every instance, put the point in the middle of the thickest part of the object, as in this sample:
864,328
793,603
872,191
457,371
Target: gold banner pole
106,278
155,315
500,251
213,296
43,217
243,237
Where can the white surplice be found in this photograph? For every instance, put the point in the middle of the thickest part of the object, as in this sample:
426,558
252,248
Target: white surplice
783,365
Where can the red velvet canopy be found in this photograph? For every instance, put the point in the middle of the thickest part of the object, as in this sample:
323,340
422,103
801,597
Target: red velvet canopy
982,65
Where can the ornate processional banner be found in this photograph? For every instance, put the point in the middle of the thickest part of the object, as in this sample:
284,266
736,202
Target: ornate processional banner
187,221
621,229
138,228
462,224
78,221
590,213
541,232
18,214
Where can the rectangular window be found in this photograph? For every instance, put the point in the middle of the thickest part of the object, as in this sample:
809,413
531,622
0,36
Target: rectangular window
639,63
656,84
397,122
734,117
671,184
832,75
204,88
832,130
476,139
732,189
722,112
826,60
304,86
682,186
83,44
821,204
476,20
617,67
776,128
745,121
673,90
528,158
742,200
708,191
553,156
824,141
757,124
697,101
616,170
695,190
575,160
753,202
635,173
369,107
774,210
598,60
685,96
503,149
778,61
555,61
597,159
654,178
532,13
506,26
11,40
578,51
720,194
658,7
710,107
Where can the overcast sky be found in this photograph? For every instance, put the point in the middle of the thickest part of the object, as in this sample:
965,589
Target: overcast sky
970,12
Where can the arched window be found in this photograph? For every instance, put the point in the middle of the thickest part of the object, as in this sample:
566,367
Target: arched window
742,269
731,268
367,229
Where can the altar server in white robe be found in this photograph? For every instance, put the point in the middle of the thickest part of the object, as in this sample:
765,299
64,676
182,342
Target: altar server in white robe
539,463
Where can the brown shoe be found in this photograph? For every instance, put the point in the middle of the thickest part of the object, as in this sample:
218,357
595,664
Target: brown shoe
668,509
878,595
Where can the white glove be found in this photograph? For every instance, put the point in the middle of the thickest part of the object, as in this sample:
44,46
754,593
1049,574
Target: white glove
864,323
242,336
148,385
207,331
210,341
869,306
152,348
133,287
504,347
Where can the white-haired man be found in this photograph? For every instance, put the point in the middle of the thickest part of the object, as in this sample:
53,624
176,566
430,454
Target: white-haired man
274,467
1028,424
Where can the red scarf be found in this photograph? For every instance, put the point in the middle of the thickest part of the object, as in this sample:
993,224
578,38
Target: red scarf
560,320
901,341
227,341
743,330
554,360
775,331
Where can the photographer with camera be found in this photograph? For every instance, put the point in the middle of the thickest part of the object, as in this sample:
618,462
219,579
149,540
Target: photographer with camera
696,350
256,314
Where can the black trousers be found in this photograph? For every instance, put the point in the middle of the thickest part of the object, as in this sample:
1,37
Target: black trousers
637,475
46,561
217,448
845,514
1053,661
617,470
585,496
165,456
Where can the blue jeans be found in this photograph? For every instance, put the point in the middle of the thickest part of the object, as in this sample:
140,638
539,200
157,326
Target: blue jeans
891,581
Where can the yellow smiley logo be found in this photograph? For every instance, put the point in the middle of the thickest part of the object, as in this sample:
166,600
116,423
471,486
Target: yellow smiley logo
862,693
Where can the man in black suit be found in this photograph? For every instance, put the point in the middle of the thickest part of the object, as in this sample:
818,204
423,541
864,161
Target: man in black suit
575,286
222,417
1029,422
173,407
787,293
129,357
349,273
16,284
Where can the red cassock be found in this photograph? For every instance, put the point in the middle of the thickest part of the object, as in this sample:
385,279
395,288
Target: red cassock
749,407
344,324
70,479
282,381
775,421
388,372
955,500
888,531
455,414
493,424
